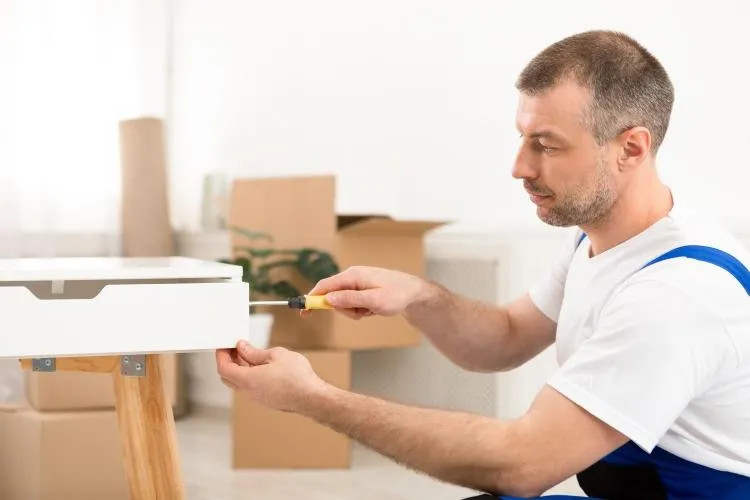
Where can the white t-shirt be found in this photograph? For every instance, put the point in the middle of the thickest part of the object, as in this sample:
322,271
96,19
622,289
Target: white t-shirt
661,354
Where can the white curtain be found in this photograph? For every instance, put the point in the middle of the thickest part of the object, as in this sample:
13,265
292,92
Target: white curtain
69,72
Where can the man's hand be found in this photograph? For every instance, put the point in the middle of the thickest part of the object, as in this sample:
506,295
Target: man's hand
276,377
363,291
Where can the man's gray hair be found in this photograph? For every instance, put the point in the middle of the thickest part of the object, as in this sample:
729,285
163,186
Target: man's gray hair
628,85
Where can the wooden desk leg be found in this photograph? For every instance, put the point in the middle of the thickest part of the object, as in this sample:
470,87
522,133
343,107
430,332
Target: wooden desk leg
146,423
148,435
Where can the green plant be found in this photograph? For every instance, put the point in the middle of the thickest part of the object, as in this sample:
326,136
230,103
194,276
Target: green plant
259,262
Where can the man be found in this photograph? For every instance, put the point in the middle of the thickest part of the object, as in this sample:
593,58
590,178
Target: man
651,398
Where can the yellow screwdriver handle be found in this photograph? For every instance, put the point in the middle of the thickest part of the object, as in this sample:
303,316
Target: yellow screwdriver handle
316,302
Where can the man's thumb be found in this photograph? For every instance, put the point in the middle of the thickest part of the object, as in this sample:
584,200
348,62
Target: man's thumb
251,354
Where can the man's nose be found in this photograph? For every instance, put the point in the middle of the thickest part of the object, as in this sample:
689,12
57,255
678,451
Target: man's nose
523,168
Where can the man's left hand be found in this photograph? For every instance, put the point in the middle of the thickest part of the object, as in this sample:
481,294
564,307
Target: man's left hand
277,378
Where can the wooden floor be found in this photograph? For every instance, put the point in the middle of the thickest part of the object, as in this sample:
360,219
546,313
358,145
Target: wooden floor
205,449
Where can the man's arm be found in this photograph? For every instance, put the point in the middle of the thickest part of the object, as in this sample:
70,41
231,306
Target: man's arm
479,336
474,335
524,457
484,337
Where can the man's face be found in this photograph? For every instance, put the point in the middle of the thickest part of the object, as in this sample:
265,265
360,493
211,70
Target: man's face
569,177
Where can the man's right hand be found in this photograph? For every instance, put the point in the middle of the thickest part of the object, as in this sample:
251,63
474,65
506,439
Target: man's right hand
363,291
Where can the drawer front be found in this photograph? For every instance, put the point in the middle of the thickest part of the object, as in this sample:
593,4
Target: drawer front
124,319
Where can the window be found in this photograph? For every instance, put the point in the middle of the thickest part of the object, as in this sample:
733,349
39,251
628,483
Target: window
71,71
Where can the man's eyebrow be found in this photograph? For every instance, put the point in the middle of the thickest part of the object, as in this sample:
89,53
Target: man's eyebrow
544,134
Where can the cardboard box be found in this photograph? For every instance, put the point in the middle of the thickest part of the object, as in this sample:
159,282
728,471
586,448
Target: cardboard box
64,391
268,439
66,455
300,212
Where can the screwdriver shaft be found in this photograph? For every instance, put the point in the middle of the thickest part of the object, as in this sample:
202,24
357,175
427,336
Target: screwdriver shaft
269,303
301,302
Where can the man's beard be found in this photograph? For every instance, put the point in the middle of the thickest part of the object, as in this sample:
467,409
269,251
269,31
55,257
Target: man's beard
584,204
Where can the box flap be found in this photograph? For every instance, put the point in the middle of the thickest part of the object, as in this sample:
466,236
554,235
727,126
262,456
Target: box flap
381,225
14,407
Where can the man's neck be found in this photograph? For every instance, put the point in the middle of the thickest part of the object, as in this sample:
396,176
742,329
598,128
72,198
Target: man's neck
635,211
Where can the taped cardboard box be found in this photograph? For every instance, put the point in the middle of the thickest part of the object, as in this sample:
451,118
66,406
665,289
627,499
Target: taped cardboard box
64,391
300,212
65,455
263,438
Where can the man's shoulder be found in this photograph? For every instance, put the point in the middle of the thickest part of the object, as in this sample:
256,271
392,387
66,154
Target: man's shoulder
699,248
699,270
689,256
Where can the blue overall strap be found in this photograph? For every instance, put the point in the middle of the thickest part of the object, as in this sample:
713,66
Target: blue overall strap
487,496
580,240
707,254
713,256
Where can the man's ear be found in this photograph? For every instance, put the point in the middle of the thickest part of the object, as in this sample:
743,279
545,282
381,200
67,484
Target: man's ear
635,147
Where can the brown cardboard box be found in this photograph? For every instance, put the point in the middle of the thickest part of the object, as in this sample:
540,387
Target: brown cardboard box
63,391
310,220
60,456
268,439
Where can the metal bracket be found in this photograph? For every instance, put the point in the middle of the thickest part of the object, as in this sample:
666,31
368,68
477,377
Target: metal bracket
58,287
43,364
133,365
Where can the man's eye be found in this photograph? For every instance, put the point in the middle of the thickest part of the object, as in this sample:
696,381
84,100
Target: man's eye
545,149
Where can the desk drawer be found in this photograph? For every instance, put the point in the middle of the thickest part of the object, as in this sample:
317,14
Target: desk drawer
91,317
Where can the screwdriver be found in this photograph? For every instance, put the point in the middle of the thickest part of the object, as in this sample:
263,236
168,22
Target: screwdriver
300,302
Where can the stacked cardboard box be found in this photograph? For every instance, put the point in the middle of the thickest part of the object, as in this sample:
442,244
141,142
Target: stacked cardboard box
63,441
300,212
269,439
54,455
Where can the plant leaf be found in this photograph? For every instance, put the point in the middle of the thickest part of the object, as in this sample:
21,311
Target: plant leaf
262,287
256,252
264,268
284,289
315,265
243,262
253,235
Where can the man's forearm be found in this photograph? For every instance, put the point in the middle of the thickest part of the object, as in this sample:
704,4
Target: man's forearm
467,450
470,333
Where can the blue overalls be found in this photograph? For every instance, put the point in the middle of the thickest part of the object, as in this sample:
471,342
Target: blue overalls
631,473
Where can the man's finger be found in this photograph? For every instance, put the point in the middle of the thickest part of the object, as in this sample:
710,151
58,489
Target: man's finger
251,354
345,280
226,366
230,384
352,299
356,313
238,359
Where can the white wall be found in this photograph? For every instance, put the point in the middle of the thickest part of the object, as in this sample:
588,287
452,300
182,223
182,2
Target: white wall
396,96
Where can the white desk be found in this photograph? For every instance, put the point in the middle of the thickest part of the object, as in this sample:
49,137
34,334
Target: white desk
114,315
